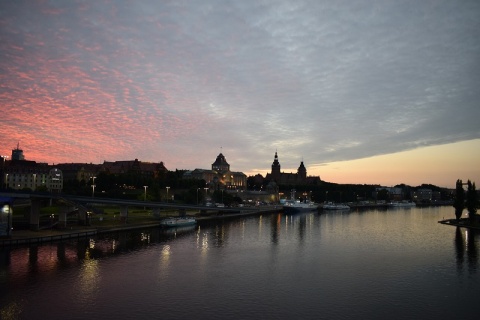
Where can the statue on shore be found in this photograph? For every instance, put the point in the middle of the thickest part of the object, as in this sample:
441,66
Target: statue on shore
459,203
467,200
471,201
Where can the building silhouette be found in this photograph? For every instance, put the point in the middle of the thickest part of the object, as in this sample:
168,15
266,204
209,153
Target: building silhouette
282,178
17,154
219,177
145,169
19,174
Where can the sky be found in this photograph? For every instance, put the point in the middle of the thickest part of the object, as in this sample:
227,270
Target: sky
367,91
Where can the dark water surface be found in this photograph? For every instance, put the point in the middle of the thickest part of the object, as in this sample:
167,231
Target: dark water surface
391,264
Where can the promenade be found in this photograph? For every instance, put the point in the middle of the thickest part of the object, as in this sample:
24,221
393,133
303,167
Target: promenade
22,237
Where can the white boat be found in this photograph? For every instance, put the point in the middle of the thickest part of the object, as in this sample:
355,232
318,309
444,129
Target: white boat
296,206
176,231
178,222
402,204
335,206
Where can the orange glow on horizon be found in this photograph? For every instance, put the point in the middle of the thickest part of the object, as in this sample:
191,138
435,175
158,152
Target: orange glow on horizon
438,165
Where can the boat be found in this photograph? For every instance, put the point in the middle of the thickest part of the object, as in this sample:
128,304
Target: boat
402,204
177,231
178,222
335,206
296,206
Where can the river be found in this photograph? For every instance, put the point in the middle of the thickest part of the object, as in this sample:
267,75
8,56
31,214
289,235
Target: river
373,264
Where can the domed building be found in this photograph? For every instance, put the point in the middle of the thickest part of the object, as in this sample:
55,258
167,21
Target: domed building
219,177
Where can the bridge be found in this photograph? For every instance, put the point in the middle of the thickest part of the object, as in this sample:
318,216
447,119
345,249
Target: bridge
81,205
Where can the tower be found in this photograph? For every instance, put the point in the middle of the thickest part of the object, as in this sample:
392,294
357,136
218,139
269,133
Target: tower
302,172
17,154
276,168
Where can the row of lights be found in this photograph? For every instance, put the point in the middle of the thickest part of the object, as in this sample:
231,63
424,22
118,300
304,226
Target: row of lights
145,187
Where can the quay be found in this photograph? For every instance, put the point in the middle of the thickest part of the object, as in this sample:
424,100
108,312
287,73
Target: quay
26,237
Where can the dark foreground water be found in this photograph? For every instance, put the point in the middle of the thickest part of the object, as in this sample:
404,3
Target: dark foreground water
392,264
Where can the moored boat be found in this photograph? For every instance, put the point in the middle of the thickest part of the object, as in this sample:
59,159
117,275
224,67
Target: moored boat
402,204
296,206
335,206
178,222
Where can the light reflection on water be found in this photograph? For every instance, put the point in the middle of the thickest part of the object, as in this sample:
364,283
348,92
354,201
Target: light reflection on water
399,264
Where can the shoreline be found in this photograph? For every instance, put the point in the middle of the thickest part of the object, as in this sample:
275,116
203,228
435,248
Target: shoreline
26,237
463,223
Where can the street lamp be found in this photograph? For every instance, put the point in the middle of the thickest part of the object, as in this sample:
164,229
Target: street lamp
93,186
197,195
167,193
205,194
145,196
326,195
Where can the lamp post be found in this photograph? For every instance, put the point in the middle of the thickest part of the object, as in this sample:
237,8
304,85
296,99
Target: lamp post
93,186
167,193
145,196
206,189
197,195
326,195
34,181
222,195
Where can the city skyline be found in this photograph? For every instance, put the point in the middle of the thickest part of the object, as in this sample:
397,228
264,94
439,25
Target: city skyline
366,92
356,167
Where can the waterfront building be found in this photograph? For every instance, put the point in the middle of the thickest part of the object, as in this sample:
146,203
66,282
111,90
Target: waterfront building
219,177
148,169
55,180
22,174
394,193
425,195
78,171
282,178
87,171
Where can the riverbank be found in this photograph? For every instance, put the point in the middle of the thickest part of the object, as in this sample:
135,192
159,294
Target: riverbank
21,237
464,223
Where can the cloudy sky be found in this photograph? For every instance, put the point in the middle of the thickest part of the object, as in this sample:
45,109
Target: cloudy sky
367,91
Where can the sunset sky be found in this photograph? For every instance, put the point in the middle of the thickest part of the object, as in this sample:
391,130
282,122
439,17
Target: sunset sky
377,92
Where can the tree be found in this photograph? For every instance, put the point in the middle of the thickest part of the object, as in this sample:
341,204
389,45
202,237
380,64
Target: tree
472,200
459,202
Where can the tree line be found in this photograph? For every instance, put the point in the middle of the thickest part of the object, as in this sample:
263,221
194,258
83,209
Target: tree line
465,200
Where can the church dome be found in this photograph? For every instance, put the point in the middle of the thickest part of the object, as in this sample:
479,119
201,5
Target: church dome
220,160
220,163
